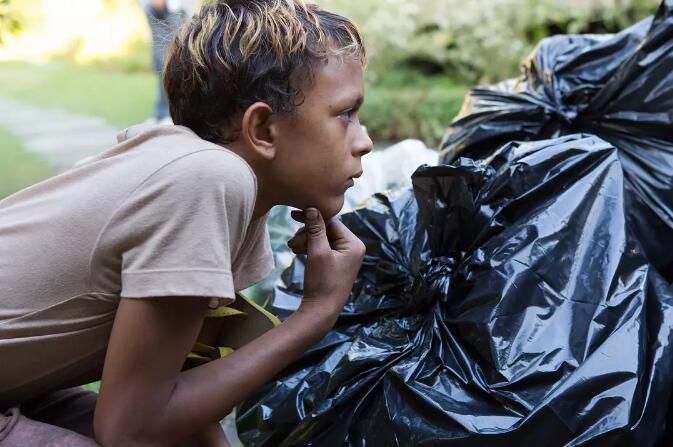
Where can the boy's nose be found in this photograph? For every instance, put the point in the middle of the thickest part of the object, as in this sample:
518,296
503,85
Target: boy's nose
362,144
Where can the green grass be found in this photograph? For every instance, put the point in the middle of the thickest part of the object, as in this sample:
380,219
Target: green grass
122,98
18,167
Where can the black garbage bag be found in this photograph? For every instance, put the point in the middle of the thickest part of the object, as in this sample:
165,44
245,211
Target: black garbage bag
506,307
618,87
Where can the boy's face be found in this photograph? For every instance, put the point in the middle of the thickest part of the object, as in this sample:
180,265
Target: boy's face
319,147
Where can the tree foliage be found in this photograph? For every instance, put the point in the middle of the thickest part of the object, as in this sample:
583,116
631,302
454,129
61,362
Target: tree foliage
476,40
9,19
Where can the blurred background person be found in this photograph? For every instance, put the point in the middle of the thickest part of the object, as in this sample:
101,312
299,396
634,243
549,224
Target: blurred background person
164,18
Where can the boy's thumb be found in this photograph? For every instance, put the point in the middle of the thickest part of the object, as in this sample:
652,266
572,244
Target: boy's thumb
315,229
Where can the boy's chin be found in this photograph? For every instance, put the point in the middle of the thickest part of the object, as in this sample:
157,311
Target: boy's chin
331,208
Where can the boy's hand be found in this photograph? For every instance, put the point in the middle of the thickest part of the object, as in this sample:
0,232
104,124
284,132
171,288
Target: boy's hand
334,258
159,404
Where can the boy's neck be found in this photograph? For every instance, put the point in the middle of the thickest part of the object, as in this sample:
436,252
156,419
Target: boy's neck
262,204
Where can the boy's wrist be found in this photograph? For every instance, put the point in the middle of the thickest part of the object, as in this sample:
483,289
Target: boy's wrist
320,315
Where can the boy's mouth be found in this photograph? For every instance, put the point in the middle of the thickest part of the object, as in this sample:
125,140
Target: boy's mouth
351,182
351,179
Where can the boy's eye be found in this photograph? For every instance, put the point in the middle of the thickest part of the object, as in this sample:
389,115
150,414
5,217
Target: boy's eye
347,115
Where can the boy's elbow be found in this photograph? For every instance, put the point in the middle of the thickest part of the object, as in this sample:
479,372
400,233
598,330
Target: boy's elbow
108,435
108,438
114,440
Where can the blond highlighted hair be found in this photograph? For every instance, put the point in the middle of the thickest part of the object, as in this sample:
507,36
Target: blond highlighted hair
234,53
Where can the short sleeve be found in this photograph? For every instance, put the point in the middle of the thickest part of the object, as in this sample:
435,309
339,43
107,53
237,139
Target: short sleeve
255,260
178,232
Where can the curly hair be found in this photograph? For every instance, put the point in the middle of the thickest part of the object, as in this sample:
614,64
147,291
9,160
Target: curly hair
234,53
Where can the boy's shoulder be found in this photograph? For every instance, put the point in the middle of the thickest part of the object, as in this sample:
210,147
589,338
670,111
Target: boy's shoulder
170,142
159,150
177,156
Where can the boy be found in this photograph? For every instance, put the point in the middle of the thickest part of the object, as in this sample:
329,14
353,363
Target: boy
114,264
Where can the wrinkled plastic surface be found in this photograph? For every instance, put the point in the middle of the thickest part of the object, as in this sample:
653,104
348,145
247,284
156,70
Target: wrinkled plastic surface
495,307
618,87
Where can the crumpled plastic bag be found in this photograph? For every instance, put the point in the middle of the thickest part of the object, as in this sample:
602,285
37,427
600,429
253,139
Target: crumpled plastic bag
504,303
618,87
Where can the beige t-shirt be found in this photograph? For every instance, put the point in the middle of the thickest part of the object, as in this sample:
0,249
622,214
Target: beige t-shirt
164,213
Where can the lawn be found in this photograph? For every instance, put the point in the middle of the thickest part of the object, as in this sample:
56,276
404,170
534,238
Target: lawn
18,167
120,97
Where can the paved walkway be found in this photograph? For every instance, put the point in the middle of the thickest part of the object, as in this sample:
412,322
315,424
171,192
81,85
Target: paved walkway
61,138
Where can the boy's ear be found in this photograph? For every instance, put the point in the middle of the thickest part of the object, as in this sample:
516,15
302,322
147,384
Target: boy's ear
258,130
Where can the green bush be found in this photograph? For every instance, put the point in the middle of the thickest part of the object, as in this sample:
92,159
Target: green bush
476,40
415,46
393,115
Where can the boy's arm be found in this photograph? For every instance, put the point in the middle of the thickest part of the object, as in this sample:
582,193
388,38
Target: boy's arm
145,398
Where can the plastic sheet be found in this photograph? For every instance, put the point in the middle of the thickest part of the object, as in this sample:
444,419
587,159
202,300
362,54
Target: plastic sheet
504,306
618,87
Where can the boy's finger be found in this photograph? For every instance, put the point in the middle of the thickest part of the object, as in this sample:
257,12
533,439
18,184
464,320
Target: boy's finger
300,238
299,232
339,235
317,244
298,249
298,243
298,216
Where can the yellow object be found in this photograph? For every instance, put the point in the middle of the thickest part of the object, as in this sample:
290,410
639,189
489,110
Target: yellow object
223,311
246,320
225,351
